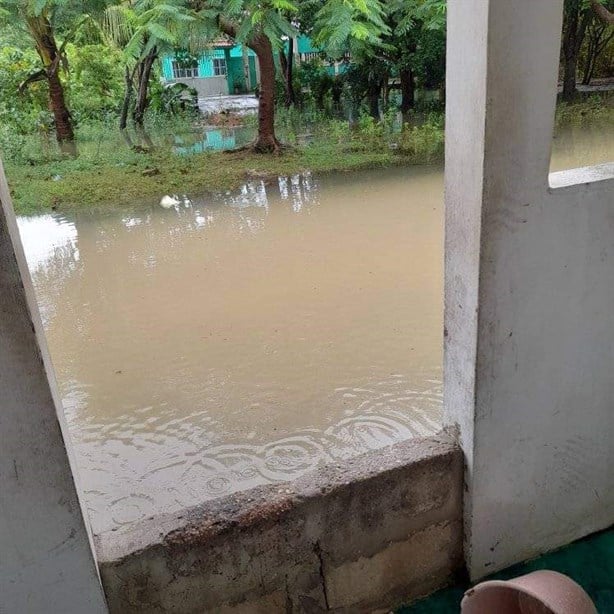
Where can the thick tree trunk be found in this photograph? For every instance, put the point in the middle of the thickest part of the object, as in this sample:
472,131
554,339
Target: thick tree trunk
408,92
42,32
144,75
266,140
123,119
63,124
337,93
146,142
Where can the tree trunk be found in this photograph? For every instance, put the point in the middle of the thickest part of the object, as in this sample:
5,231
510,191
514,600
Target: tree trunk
286,63
144,75
146,142
266,140
386,91
290,94
570,70
408,92
337,93
575,25
123,119
602,12
42,32
63,124
373,96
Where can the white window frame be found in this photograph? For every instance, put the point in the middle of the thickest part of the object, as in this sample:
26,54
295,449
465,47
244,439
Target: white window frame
220,67
184,72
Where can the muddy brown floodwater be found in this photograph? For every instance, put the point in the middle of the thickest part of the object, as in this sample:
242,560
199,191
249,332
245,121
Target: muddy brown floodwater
245,338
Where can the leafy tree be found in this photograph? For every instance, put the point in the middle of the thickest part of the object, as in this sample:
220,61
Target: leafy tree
95,85
41,19
412,48
143,29
262,26
598,37
576,19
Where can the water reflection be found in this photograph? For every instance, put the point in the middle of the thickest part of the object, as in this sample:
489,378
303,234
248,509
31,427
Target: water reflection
248,337
212,139
244,338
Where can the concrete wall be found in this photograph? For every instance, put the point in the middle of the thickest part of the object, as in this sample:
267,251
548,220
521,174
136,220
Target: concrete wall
46,564
357,537
208,86
529,324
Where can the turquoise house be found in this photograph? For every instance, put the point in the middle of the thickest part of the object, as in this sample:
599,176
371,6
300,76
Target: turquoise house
228,68
224,69
304,51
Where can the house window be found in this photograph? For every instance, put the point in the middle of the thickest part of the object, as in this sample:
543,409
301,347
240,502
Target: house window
183,70
310,56
219,67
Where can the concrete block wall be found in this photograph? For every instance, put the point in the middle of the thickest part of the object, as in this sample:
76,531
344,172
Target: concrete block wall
365,535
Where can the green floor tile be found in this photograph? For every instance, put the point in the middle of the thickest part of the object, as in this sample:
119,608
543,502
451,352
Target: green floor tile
590,562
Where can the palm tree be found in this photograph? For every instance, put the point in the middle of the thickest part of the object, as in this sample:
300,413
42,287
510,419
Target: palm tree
143,29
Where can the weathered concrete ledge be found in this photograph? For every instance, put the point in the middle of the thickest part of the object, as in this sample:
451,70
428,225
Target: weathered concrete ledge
366,535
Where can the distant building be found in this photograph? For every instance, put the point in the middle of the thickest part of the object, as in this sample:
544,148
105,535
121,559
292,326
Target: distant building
228,68
224,69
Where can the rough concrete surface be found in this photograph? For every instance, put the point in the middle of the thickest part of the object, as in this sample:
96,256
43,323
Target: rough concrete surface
377,531
529,326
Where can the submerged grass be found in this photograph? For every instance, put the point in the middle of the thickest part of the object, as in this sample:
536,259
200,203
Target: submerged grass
109,174
66,185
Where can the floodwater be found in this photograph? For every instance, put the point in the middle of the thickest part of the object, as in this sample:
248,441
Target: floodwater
245,338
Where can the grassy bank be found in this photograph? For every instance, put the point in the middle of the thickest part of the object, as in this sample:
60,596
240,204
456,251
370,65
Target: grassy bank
108,173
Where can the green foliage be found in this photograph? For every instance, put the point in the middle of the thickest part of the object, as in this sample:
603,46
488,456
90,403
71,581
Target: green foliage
113,173
597,110
429,58
95,81
21,112
249,18
315,80
140,26
340,21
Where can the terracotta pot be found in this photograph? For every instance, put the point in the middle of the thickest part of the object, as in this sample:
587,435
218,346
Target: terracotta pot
540,592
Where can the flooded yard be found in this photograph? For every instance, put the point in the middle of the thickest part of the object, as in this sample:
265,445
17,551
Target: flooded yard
245,338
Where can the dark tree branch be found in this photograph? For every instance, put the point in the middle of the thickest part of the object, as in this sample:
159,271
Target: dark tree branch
39,75
602,12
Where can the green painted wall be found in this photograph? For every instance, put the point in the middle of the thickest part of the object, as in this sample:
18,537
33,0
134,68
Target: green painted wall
236,76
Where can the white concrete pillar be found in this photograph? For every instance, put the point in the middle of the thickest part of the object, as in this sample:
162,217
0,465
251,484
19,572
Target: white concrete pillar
46,562
529,324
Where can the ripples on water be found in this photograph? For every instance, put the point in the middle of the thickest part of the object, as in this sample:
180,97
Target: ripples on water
249,337
243,339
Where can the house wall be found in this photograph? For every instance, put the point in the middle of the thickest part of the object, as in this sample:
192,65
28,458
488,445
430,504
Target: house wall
46,564
529,325
207,83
